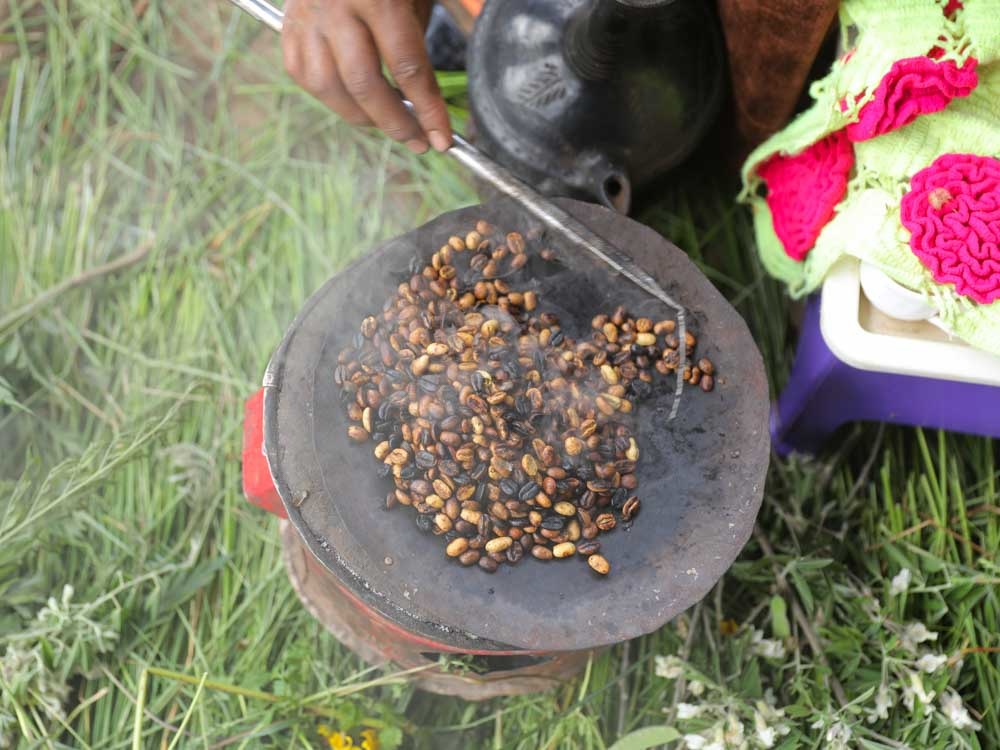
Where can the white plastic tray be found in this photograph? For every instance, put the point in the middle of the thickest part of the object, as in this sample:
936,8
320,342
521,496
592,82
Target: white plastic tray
864,337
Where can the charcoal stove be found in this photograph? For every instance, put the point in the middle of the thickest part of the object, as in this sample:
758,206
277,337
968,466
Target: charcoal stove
388,592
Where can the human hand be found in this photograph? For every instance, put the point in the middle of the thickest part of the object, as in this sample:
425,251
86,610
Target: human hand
334,50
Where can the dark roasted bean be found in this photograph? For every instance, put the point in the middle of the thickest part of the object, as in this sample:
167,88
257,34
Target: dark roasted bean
498,430
630,508
528,490
508,487
425,459
553,523
588,548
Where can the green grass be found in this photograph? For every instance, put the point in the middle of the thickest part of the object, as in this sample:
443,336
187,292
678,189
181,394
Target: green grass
230,197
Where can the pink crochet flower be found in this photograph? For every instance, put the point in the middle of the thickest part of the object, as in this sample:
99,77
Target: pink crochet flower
912,87
802,190
953,213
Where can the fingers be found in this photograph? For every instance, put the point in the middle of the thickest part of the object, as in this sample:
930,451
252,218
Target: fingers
322,80
400,40
309,61
360,70
335,49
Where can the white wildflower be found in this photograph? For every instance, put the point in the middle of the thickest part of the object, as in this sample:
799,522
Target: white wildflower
767,709
669,666
915,690
914,633
883,702
900,582
688,710
931,663
696,688
734,734
838,736
694,741
956,712
769,648
767,722
766,734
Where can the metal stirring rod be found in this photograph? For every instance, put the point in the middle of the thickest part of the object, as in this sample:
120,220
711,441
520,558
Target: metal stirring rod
535,203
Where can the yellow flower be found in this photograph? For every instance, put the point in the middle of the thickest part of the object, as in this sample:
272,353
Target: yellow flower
343,741
336,740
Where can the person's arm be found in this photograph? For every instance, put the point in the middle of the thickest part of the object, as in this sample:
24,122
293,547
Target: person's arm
334,49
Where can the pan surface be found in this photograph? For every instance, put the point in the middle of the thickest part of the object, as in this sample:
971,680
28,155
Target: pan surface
701,476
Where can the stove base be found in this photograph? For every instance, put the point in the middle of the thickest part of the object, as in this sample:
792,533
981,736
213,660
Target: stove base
378,641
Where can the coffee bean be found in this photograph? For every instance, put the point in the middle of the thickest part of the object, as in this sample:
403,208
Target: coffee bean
566,549
605,522
493,425
499,544
588,548
630,508
553,523
457,547
424,459
599,564
514,553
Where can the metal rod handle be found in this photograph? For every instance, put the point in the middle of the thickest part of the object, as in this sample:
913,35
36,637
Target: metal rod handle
263,11
535,203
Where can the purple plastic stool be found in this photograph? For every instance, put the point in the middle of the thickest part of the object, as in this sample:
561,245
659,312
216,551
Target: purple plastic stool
824,393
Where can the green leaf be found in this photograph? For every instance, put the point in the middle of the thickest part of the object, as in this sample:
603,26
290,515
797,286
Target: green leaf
779,618
7,397
805,593
797,711
184,585
647,737
389,738
750,684
350,715
810,566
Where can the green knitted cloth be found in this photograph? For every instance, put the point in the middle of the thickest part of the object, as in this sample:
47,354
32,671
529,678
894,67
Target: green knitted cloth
904,94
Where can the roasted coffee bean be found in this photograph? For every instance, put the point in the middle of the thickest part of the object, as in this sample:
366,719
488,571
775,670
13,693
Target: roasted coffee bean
528,490
425,459
605,521
457,546
499,544
630,508
618,498
565,549
553,523
541,552
514,554
497,426
588,548
488,564
358,433
470,557
599,564
425,522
